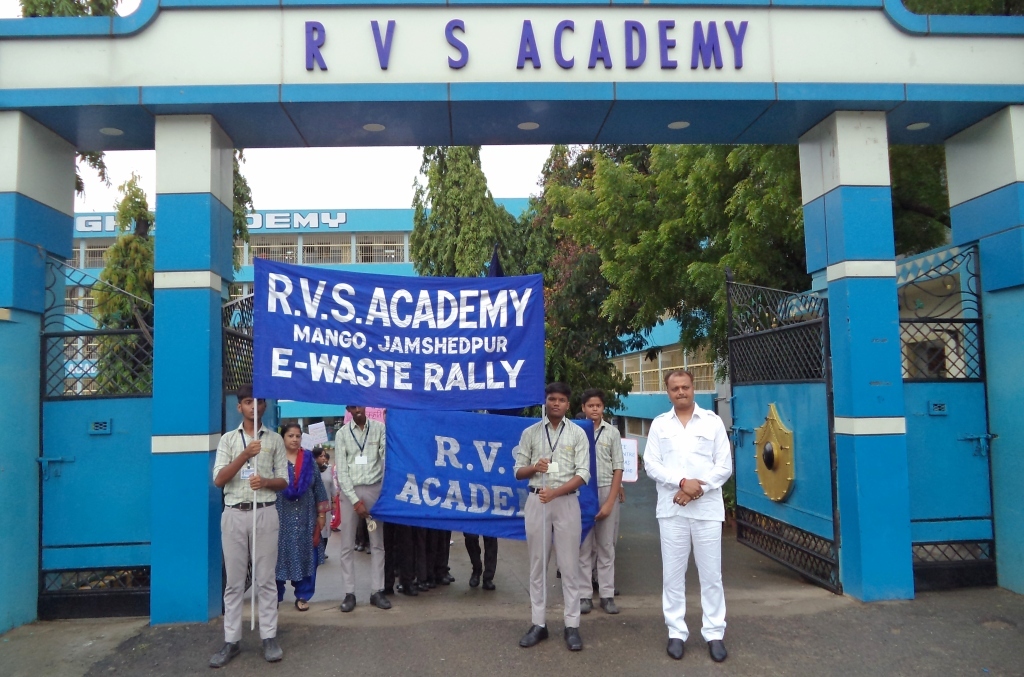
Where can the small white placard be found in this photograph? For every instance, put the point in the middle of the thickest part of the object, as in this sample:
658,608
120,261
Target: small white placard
318,431
307,441
552,467
360,460
630,457
247,473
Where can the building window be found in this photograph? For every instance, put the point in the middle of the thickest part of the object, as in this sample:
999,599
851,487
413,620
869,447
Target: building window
333,248
380,248
635,426
237,290
273,248
78,301
95,253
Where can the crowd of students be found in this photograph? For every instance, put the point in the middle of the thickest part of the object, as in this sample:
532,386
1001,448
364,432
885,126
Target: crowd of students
278,498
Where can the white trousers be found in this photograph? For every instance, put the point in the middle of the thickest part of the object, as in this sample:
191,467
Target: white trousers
678,534
236,540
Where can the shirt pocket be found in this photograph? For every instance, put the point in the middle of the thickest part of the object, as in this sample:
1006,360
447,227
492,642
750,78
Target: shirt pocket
704,445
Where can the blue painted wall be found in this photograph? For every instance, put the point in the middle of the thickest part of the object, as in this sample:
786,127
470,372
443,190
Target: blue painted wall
114,468
1004,329
649,405
19,473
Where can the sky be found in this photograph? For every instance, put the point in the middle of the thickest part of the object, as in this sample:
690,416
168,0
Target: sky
316,178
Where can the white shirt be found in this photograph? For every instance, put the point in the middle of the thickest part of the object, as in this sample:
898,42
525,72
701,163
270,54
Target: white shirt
700,451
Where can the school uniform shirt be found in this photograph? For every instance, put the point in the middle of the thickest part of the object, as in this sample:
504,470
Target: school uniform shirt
608,445
270,463
700,451
566,445
360,456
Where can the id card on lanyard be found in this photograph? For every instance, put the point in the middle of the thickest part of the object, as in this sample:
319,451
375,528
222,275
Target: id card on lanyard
553,464
361,458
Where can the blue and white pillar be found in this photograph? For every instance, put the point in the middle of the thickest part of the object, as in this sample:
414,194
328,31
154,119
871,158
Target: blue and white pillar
193,266
37,200
848,231
985,169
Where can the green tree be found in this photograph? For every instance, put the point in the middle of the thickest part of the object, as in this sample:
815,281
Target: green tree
241,207
128,264
456,221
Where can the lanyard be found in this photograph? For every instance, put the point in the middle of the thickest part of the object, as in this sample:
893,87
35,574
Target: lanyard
365,435
548,435
241,431
597,437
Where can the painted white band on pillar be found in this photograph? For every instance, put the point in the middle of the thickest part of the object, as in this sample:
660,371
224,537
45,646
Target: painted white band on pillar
187,279
986,156
178,170
894,425
184,444
838,271
36,163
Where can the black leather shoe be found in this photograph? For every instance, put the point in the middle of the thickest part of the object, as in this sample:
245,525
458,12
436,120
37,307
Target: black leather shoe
675,648
608,604
431,584
586,605
716,648
224,656
489,585
378,600
408,589
272,650
474,580
447,579
348,603
422,587
573,640
534,636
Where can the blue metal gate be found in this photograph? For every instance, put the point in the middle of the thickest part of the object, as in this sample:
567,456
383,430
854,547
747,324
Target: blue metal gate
780,371
95,457
947,419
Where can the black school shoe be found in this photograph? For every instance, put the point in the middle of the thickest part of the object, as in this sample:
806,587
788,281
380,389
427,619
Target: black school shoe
573,640
378,600
716,648
348,603
272,651
534,636
224,656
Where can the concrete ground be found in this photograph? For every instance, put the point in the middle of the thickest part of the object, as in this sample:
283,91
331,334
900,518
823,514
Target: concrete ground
778,625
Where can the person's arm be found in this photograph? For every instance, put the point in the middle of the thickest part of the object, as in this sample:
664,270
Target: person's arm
722,457
524,470
323,499
654,462
617,466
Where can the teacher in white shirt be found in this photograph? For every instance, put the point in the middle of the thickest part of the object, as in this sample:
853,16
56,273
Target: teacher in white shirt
689,457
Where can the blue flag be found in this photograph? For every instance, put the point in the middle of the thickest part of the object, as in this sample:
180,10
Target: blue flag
454,471
434,343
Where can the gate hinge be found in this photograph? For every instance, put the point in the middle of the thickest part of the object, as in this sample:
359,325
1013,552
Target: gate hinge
980,442
45,462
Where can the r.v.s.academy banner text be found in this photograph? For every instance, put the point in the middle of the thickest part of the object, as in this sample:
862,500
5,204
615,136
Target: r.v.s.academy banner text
448,343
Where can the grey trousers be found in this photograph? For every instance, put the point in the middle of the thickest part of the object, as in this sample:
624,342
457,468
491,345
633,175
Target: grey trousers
368,494
235,538
600,542
557,522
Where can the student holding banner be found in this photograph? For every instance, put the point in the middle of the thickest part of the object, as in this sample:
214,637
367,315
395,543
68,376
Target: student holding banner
359,449
250,467
554,454
600,542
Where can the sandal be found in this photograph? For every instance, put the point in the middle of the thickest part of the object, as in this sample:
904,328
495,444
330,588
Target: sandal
302,605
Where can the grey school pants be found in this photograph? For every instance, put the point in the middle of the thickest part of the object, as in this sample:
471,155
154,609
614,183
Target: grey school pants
368,494
235,538
556,523
600,542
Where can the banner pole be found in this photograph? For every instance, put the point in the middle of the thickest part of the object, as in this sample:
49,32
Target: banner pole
547,537
256,432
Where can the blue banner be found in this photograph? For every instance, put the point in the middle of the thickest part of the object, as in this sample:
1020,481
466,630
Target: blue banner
453,471
434,343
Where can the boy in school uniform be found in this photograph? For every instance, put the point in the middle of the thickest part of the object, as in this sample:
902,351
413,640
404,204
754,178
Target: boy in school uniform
600,542
250,467
554,454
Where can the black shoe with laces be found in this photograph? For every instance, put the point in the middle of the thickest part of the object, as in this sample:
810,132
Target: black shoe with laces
224,656
348,603
533,636
573,639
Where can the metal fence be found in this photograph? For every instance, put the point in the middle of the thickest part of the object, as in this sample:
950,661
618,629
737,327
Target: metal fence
236,319
940,316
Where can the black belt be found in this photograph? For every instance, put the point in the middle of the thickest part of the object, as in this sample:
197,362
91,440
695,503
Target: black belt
248,506
535,490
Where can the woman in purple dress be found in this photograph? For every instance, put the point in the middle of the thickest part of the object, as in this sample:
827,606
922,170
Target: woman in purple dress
302,508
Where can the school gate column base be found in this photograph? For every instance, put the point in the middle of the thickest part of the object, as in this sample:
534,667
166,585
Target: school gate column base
194,179
848,232
37,191
985,166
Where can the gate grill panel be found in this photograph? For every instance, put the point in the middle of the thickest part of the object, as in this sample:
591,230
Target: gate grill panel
237,357
100,363
812,556
940,316
94,593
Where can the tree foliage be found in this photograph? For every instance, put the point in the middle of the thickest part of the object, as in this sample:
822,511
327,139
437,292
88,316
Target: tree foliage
242,206
456,221
128,265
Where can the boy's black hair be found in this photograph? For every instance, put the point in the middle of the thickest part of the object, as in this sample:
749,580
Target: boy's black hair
560,388
244,392
592,392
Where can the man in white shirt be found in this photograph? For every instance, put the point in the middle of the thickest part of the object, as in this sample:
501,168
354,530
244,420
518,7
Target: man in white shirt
689,458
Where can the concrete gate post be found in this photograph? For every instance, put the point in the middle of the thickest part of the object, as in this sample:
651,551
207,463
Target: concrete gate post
848,231
193,266
37,200
985,168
